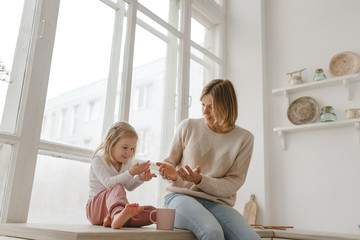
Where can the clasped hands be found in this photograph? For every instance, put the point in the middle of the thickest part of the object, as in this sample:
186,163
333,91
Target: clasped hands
143,170
187,174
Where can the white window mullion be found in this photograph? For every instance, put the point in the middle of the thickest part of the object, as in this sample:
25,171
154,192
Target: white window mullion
126,79
212,10
152,30
65,151
113,5
7,138
114,67
222,44
222,49
184,64
158,20
205,52
23,162
201,61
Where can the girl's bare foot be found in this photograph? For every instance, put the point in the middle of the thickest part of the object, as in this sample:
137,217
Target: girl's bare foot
130,210
107,221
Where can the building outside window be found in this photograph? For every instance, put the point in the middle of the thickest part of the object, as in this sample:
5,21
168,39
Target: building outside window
63,123
74,119
141,97
93,110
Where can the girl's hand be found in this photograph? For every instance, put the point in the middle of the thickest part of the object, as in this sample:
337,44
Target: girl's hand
167,172
190,175
147,175
138,168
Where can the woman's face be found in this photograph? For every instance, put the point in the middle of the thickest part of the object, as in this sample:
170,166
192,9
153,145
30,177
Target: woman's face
124,149
207,109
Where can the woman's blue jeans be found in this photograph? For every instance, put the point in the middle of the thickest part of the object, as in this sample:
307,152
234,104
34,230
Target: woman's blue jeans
209,220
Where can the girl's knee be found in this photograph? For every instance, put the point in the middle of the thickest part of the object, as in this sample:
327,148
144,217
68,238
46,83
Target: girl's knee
117,190
149,208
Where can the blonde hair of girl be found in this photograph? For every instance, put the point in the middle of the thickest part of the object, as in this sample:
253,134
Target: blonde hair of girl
224,102
114,133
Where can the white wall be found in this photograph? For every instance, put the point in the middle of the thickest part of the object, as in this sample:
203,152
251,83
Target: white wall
314,183
245,70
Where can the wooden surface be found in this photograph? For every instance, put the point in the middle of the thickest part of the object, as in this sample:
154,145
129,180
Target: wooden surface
10,238
297,234
250,210
89,232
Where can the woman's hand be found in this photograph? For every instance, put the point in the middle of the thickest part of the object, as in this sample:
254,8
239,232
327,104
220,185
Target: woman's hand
191,175
138,168
167,172
147,175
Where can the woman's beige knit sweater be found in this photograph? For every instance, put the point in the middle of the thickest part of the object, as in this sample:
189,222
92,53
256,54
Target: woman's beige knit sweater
223,158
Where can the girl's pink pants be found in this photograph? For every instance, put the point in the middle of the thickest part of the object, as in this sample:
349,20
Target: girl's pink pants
111,201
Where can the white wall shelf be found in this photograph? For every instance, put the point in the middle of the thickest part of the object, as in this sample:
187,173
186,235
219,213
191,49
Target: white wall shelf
281,131
343,80
286,91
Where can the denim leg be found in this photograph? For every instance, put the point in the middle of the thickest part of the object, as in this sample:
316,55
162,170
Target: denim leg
234,225
193,216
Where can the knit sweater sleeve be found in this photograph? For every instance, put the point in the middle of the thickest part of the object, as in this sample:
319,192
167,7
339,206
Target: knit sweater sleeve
106,175
234,178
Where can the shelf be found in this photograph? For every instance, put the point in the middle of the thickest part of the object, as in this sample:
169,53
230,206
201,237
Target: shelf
343,80
340,123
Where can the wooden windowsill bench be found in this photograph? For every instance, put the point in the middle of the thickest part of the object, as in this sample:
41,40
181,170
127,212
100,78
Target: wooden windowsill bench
91,232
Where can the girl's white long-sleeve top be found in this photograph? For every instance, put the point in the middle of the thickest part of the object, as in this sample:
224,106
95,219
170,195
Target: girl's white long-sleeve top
223,158
102,176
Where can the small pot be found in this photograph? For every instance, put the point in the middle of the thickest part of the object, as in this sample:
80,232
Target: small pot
294,80
352,113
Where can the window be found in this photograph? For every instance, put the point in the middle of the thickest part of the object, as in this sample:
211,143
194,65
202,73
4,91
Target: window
62,127
143,144
206,54
74,118
141,97
52,124
143,62
10,12
93,110
69,197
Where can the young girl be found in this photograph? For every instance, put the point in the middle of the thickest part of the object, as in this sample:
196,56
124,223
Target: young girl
111,171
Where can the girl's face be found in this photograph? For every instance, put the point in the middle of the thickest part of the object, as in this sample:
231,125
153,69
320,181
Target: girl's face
207,109
124,149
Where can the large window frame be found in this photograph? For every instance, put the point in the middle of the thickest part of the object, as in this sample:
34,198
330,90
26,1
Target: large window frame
37,34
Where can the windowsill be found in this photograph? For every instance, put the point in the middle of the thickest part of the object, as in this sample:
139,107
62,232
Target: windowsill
89,232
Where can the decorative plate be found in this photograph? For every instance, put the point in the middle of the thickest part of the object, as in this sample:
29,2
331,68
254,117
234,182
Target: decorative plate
344,63
303,110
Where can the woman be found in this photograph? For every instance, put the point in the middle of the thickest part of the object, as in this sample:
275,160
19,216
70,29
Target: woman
207,164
